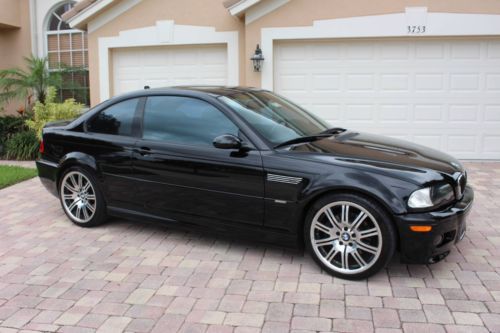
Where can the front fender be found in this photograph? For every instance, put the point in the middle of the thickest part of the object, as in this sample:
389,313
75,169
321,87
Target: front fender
391,193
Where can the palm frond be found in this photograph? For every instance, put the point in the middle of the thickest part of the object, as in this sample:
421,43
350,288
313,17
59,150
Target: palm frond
17,83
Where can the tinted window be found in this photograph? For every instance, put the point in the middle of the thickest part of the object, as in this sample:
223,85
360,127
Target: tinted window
184,120
117,119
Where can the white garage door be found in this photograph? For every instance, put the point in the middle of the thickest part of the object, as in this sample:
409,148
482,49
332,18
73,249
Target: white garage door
163,66
443,93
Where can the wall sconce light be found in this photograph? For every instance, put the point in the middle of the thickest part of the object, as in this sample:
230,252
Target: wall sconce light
257,59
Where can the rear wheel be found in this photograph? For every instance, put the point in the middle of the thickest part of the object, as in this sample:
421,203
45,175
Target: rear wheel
81,198
350,236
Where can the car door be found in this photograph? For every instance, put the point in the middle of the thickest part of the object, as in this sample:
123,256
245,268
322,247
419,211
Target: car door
110,137
184,176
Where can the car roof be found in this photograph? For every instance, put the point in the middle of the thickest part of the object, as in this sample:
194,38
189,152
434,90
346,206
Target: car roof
218,90
215,91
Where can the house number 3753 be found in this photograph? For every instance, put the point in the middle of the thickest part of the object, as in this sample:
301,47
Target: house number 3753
416,29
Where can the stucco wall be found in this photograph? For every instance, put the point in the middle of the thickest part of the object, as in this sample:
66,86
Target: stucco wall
9,13
294,13
15,44
189,12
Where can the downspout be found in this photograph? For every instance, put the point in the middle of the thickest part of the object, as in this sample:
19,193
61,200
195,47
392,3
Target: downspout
34,25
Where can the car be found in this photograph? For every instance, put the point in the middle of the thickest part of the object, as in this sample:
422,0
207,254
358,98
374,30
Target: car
247,163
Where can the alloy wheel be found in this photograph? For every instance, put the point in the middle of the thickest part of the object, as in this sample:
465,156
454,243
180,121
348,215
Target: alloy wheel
78,196
346,237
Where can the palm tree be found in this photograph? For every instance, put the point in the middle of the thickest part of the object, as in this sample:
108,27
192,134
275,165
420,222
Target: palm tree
19,84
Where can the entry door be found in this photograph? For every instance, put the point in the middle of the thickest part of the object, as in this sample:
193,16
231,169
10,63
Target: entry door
183,175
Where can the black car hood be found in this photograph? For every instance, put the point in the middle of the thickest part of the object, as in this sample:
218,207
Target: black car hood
356,146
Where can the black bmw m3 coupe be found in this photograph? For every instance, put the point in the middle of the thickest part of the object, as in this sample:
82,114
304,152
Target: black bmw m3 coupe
249,163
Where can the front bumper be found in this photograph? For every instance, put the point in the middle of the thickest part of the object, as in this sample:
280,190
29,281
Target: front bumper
448,227
47,172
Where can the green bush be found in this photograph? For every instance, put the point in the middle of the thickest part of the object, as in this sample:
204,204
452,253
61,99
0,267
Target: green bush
22,146
10,125
52,111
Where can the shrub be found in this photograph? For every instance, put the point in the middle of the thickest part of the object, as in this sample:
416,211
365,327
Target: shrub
22,146
52,111
9,125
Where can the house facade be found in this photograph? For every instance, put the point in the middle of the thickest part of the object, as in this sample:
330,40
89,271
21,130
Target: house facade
425,71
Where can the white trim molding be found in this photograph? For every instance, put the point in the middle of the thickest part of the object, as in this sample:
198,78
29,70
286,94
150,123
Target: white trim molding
241,6
262,9
415,22
167,33
255,9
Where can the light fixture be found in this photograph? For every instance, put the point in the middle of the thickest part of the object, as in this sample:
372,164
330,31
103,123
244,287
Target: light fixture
257,59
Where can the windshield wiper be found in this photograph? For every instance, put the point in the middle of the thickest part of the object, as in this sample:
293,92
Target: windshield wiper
302,139
333,130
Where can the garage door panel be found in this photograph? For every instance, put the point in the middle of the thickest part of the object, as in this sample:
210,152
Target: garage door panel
493,82
491,143
360,51
156,83
429,82
492,113
462,143
399,114
427,139
128,85
466,50
360,82
134,68
444,93
429,50
395,82
493,50
326,82
464,114
328,53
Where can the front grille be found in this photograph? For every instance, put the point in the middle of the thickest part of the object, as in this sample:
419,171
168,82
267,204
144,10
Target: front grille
461,182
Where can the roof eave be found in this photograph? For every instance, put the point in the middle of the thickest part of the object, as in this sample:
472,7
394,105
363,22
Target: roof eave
238,8
81,18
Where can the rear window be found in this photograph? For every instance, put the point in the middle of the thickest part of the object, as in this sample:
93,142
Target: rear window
116,119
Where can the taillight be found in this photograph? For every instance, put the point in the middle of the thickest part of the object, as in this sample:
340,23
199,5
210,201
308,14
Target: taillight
42,147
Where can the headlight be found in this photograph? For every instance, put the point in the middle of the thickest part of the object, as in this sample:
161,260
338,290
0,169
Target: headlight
431,196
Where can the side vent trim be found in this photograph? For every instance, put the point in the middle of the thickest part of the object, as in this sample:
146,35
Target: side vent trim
271,177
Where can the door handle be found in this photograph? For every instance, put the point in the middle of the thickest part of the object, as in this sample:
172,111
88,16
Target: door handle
143,150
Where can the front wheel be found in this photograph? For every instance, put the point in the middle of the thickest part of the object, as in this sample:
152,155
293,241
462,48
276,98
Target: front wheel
81,198
349,236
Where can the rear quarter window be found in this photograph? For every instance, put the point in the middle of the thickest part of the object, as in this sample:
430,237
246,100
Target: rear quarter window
116,119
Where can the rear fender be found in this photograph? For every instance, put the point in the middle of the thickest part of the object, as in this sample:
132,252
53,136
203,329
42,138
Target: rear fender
76,159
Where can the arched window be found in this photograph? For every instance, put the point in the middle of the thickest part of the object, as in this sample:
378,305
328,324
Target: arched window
67,52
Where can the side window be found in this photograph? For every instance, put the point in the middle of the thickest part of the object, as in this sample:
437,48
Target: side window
117,119
184,120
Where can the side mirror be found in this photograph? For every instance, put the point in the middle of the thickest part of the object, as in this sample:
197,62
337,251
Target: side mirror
227,141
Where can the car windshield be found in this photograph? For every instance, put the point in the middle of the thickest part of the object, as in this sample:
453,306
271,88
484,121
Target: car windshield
275,118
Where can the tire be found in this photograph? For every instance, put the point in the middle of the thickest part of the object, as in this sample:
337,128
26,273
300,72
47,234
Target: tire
349,236
81,198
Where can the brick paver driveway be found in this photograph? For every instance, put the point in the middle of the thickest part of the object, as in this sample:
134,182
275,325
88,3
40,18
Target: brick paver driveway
138,277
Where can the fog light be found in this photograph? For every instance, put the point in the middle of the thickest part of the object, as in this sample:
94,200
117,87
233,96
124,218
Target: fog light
438,240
